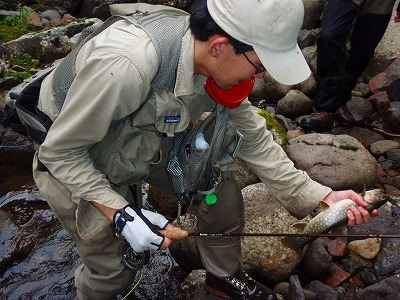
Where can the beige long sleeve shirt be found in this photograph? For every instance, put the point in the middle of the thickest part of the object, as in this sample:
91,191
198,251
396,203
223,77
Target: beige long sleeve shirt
114,73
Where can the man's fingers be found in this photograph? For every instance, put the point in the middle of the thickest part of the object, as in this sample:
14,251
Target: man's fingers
358,215
351,217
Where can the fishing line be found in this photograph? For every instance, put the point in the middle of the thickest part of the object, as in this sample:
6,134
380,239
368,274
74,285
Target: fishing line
135,285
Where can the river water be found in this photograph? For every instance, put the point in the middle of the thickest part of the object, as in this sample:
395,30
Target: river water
37,256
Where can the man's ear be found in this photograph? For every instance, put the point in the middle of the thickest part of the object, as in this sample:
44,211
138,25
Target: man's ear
216,44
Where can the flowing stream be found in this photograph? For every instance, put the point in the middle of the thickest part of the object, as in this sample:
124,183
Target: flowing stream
37,256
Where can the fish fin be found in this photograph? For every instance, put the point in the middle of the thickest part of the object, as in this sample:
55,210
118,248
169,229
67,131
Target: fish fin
290,242
299,226
324,205
364,190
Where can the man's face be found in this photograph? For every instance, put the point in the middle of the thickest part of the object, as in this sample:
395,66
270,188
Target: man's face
232,69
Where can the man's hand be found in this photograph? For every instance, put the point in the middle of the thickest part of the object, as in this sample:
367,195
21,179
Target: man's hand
139,227
357,215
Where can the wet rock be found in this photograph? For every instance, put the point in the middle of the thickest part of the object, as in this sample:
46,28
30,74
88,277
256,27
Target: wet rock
283,290
323,291
388,259
9,82
192,286
391,120
185,251
395,181
368,248
386,289
367,277
338,247
353,263
336,276
295,288
40,257
317,259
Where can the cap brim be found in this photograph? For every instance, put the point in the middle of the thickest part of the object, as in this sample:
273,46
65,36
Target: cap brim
287,68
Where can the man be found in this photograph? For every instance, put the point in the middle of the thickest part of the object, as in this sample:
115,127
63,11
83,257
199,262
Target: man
363,23
116,128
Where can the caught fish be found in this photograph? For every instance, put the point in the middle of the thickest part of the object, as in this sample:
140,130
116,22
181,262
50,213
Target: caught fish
331,217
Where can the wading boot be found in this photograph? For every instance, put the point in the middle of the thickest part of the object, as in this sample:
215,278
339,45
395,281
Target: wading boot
319,121
344,118
238,287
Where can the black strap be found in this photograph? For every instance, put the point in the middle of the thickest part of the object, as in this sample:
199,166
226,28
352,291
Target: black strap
41,167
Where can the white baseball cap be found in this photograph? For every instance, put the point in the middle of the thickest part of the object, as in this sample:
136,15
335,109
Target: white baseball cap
271,27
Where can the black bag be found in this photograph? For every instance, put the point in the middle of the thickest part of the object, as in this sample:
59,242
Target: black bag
20,111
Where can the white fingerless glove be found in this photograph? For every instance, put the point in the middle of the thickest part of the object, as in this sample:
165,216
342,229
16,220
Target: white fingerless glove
138,226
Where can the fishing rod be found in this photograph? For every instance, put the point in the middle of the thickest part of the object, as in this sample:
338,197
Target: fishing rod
179,234
136,261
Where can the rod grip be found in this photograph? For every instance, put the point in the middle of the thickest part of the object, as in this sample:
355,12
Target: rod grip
177,234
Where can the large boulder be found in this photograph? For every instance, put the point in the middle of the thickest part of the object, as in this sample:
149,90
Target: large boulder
266,256
337,161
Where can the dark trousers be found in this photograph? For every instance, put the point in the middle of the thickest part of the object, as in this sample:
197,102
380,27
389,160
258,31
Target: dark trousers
339,63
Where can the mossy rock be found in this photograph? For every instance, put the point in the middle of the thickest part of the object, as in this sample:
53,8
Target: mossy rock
277,130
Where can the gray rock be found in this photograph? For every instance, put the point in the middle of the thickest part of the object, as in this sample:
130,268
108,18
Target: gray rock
388,259
317,259
391,119
296,291
266,256
312,13
386,289
337,161
323,291
381,147
294,104
49,44
361,109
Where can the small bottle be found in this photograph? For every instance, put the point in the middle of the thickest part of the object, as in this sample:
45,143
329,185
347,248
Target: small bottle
208,203
200,142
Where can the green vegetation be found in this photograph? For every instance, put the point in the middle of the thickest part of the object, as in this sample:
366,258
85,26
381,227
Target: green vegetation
348,147
26,62
12,27
276,129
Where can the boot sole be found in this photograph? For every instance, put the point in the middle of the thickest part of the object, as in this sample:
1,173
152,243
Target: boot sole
216,292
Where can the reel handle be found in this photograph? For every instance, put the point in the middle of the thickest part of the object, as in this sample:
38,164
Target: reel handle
177,234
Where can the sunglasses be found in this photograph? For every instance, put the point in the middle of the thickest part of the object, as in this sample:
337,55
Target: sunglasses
259,69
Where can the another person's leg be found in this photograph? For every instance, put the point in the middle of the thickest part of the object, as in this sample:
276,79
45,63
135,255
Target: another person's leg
336,25
368,31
